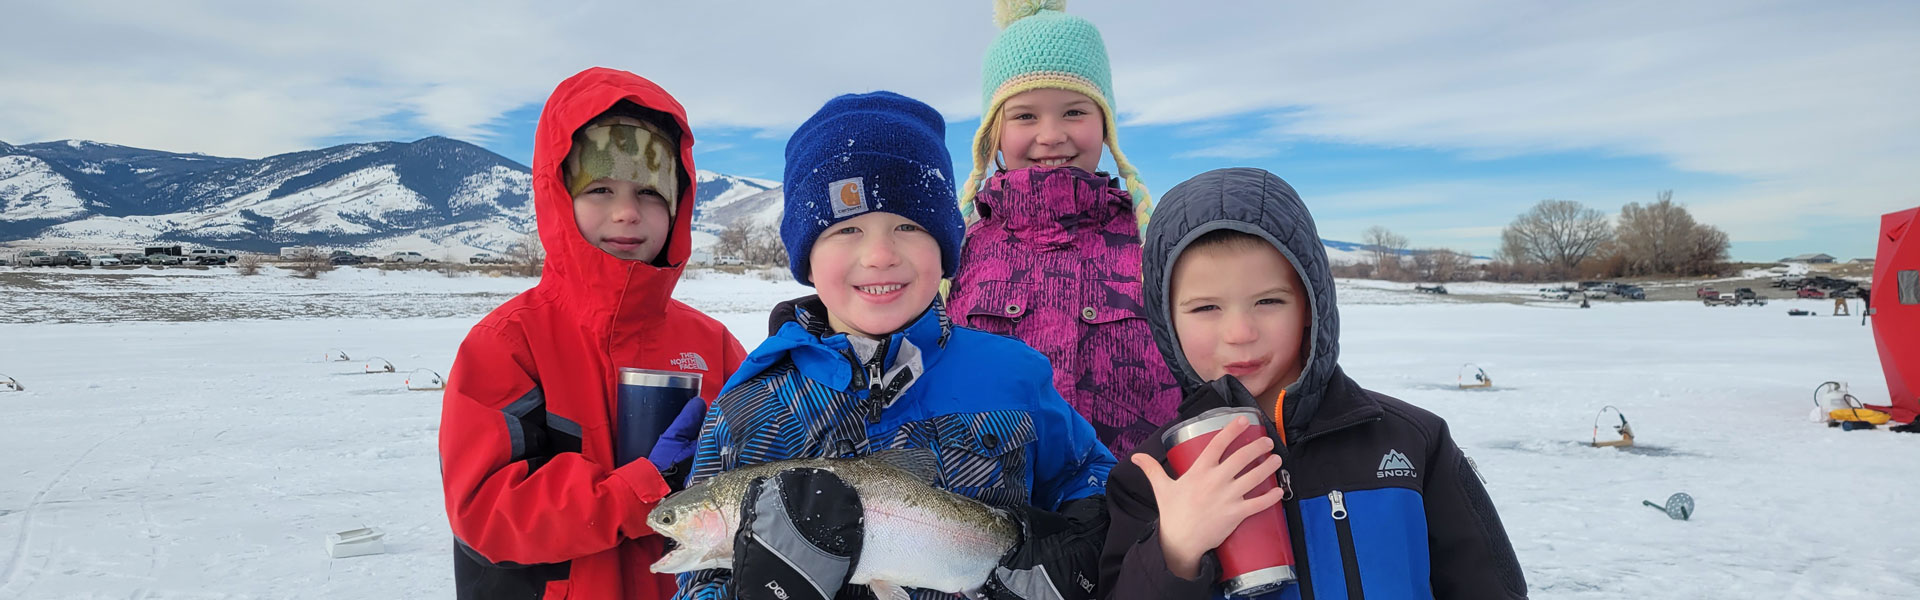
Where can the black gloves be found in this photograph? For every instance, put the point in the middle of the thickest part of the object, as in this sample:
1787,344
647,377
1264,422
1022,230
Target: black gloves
799,538
1058,557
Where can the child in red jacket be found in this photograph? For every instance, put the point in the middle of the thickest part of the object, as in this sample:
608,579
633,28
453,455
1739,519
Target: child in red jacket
538,505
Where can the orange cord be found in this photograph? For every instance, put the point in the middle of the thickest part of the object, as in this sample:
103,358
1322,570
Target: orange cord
1279,416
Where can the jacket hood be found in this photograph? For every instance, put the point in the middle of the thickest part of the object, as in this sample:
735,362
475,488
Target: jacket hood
1256,202
573,263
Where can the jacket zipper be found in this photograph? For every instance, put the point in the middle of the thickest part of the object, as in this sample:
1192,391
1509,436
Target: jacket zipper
1349,559
875,371
1302,570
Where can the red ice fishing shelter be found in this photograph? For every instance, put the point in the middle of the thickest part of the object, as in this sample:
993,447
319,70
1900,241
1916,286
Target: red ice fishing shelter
1895,301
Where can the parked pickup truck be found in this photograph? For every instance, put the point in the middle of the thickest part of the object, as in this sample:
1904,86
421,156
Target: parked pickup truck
1721,299
210,256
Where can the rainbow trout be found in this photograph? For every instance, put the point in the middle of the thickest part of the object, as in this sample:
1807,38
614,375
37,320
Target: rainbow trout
917,536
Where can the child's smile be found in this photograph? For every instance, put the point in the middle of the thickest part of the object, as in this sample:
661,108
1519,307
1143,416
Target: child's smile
875,273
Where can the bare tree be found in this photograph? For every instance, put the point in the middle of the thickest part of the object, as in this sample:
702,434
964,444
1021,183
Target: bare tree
1662,238
766,247
448,266
1446,265
249,264
1653,238
1386,247
1707,253
1557,233
527,256
736,241
310,263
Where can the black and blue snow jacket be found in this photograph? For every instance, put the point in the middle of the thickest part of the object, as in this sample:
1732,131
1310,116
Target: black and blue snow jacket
1382,503
984,404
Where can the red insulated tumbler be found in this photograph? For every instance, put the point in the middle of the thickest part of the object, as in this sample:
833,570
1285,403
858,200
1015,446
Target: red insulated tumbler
1257,557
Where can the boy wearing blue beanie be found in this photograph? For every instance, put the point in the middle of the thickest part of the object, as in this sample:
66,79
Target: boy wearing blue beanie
872,363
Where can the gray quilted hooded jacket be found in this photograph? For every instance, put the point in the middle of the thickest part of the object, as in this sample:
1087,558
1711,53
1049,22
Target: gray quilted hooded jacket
1381,502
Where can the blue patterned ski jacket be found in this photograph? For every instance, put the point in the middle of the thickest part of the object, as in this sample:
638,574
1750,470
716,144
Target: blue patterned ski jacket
984,404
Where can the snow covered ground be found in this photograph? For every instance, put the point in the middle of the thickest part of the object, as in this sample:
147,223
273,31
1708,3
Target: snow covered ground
208,455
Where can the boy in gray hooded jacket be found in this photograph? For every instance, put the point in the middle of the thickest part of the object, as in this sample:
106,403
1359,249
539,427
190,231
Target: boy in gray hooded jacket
1380,501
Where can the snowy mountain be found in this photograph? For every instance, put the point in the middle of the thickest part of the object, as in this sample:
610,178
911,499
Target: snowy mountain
435,195
441,197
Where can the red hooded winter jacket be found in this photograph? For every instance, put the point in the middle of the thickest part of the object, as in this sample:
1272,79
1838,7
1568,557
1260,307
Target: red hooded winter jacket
526,431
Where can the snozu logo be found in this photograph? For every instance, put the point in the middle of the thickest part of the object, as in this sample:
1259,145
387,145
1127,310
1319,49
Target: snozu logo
1395,464
690,362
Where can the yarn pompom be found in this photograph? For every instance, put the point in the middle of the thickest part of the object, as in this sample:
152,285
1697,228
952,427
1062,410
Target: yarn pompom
1005,12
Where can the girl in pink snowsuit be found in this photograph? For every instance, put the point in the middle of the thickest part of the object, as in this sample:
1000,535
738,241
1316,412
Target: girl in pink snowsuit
1052,253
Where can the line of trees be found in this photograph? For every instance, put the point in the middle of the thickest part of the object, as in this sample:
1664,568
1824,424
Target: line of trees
1391,257
1561,239
753,244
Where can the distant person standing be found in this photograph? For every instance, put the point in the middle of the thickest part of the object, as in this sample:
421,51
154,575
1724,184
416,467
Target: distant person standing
539,506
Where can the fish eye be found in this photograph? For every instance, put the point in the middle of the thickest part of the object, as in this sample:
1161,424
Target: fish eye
666,518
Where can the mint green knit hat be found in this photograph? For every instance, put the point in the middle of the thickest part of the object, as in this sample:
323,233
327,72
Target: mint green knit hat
1040,47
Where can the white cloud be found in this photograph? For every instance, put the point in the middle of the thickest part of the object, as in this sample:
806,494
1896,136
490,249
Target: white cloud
1234,149
1812,101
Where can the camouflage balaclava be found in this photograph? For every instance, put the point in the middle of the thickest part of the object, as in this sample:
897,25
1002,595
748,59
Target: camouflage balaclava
628,148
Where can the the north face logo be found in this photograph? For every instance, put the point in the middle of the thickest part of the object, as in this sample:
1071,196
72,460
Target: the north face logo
1395,464
689,361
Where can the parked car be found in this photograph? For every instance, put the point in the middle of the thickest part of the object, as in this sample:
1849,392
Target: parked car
210,256
1812,292
343,259
35,258
104,260
73,258
1554,293
728,260
1745,293
1721,299
484,259
1704,293
165,259
132,258
407,257
1631,292
1430,289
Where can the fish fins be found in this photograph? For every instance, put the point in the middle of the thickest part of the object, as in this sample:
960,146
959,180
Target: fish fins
887,591
921,463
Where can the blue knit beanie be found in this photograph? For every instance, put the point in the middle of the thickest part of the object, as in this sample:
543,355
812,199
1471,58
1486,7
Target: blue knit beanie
869,152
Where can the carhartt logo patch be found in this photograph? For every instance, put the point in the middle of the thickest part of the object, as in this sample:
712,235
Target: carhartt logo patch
1394,464
689,361
849,196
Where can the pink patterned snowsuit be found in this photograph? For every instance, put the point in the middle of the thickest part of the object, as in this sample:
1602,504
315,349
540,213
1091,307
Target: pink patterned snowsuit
1054,261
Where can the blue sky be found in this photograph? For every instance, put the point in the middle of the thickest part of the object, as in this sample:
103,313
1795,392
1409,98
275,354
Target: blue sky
1439,198
1788,124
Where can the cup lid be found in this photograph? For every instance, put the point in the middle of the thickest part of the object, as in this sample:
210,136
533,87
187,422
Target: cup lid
1207,422
658,378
